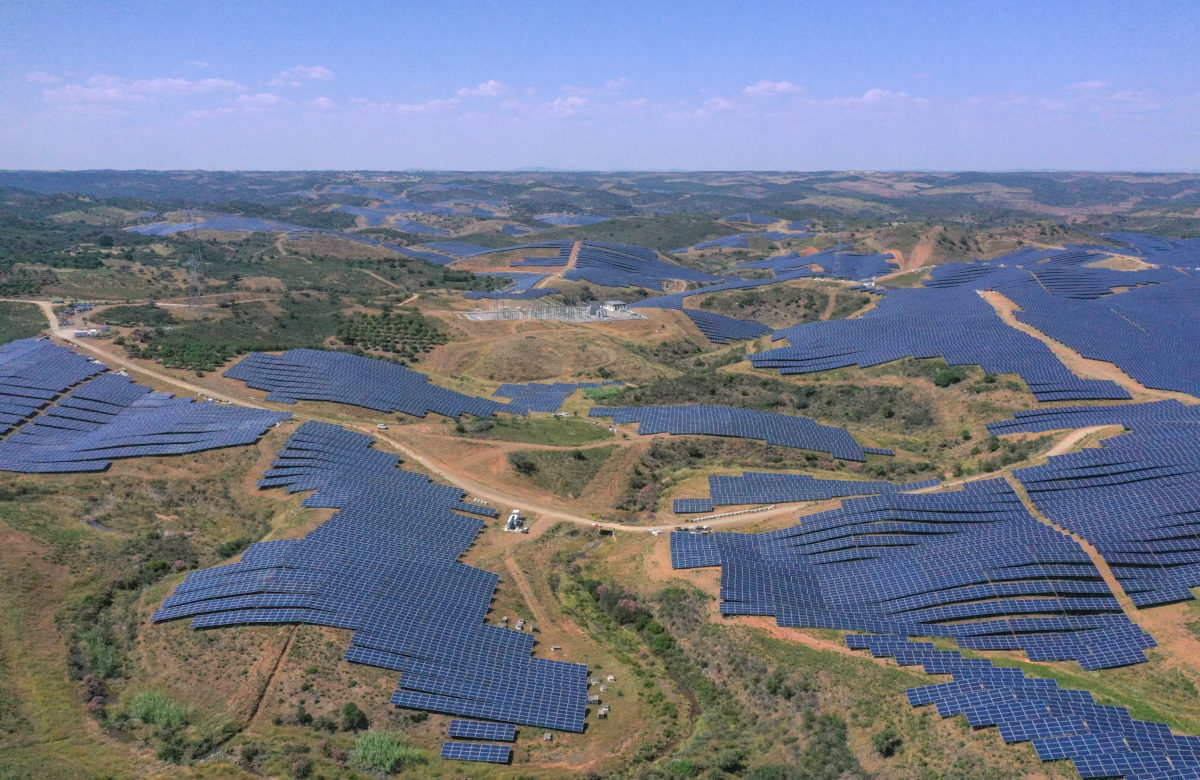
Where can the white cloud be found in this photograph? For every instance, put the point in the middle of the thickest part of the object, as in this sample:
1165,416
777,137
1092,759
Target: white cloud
872,97
298,74
321,104
38,77
489,88
766,88
567,106
620,83
208,113
718,104
428,107
201,64
262,101
110,89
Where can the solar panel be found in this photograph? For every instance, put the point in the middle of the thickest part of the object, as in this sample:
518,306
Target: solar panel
386,567
970,565
474,729
315,375
110,417
470,751
784,430
1102,741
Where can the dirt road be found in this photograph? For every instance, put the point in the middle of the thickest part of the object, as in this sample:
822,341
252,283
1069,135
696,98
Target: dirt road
1077,363
447,471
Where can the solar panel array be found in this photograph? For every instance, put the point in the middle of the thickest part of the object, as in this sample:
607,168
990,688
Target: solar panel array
429,257
832,262
759,487
1062,417
626,265
972,565
784,430
32,373
1181,252
536,397
477,729
521,287
1101,740
557,261
720,329
456,249
735,241
691,506
750,218
564,247
315,375
913,323
1151,332
111,417
1148,330
385,566
470,751
675,300
1136,498
574,220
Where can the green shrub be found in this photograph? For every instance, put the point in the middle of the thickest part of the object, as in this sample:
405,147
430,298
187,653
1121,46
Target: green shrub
353,719
522,463
887,742
151,707
683,769
383,751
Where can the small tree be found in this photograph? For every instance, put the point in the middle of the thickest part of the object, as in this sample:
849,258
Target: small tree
887,742
353,719
522,463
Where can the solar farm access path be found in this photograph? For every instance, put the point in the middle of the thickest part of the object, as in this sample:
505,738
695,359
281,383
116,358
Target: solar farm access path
444,471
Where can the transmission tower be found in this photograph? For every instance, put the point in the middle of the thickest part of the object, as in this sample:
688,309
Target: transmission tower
195,269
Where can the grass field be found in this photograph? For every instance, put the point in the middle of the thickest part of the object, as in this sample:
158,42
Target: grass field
563,473
20,321
552,431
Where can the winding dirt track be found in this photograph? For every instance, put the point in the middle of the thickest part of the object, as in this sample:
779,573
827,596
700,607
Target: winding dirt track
1006,309
460,477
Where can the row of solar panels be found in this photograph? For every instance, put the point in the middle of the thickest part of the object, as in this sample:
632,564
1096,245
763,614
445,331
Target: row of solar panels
972,565
386,566
101,418
1103,741
779,429
774,488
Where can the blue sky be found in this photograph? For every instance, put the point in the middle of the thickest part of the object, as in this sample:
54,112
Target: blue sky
1052,84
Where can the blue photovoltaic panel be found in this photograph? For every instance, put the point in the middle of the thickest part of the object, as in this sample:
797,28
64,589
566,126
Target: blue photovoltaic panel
834,262
750,218
971,565
314,375
573,220
1136,498
625,265
771,488
720,329
475,729
780,429
32,373
521,287
536,397
111,417
386,567
470,751
1101,740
